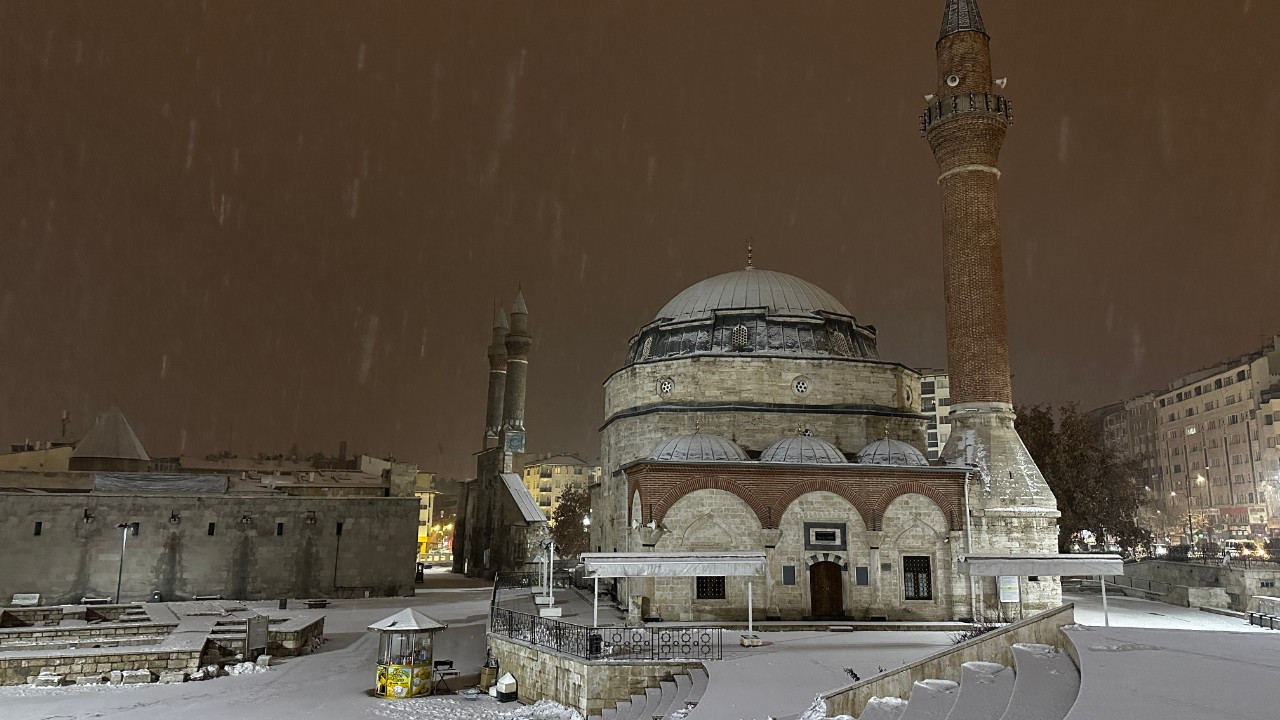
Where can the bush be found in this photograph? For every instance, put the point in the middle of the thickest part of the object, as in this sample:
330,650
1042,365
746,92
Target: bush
980,626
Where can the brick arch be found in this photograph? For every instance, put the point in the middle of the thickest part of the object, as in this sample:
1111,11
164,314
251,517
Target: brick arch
836,558
946,505
795,492
669,498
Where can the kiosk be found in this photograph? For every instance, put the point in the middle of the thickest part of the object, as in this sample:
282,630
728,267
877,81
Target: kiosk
404,654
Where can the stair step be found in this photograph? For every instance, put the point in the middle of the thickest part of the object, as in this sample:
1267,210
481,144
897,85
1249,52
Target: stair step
623,710
883,708
698,679
985,689
1046,684
931,700
608,714
666,697
652,696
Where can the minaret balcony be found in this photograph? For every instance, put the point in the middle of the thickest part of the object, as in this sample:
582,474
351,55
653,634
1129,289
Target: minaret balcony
946,108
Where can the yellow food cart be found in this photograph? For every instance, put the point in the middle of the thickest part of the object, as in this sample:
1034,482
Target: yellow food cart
404,654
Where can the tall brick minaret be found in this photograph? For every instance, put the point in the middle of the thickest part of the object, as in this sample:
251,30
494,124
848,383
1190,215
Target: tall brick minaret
518,343
1012,508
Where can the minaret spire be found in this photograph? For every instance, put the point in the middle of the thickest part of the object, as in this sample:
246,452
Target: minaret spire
961,16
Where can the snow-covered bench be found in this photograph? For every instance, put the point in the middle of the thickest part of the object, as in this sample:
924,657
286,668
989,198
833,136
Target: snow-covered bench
25,600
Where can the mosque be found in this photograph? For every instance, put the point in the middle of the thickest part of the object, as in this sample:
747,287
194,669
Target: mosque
754,413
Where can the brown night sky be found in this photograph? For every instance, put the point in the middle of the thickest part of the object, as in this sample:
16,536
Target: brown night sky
252,224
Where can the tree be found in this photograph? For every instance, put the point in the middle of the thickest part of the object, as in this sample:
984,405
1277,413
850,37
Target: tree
1096,490
566,521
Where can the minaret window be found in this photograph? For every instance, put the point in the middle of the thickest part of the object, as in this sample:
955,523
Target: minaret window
953,80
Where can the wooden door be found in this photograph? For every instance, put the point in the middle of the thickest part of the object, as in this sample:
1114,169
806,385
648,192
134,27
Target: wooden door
826,590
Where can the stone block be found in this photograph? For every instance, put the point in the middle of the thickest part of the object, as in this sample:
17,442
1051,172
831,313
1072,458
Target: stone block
264,661
91,679
173,676
47,680
136,677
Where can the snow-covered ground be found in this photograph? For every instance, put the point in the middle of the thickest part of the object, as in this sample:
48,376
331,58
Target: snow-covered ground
777,679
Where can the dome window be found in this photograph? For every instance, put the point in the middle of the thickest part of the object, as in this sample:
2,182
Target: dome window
647,348
800,385
840,343
739,337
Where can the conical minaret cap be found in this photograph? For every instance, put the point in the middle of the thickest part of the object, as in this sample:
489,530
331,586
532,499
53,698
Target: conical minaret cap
961,16
500,319
518,306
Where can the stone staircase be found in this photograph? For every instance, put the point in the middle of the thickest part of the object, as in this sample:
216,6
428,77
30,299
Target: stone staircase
1042,685
672,696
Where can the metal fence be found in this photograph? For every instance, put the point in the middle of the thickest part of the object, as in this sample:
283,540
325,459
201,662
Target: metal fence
609,643
1151,586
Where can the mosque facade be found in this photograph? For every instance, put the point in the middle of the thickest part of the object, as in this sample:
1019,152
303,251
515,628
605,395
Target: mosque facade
755,413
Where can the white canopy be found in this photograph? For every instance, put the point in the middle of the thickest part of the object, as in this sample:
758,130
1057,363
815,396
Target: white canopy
686,564
1023,565
407,620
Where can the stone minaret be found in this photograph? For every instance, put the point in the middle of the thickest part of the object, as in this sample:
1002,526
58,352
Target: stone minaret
497,379
1013,510
518,343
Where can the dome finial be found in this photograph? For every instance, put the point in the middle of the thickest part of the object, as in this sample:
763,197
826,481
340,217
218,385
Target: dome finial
697,426
749,265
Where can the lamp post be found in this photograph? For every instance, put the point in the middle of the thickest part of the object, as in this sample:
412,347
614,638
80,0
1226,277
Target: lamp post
124,542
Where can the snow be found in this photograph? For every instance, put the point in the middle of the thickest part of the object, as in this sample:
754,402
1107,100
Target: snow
777,679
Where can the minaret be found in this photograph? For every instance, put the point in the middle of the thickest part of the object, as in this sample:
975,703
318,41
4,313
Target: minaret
518,343
497,379
965,123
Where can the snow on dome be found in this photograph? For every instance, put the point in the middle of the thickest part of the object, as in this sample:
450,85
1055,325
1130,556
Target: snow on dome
698,448
888,451
779,293
802,449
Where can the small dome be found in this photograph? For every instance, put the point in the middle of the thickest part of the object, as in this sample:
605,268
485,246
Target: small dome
698,448
888,451
802,449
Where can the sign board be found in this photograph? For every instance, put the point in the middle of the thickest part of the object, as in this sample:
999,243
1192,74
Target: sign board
1008,587
255,628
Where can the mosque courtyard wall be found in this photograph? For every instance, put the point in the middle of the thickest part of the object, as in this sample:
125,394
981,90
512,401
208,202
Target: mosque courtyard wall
68,547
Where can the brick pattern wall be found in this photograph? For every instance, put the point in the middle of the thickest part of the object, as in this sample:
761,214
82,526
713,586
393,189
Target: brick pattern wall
16,670
768,490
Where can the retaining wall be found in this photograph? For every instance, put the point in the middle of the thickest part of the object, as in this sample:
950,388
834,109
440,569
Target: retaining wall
995,646
589,686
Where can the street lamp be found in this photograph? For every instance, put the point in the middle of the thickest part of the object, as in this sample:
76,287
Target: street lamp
124,542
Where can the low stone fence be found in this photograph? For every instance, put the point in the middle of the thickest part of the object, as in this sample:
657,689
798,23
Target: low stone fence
13,638
589,686
296,634
995,646
11,617
96,662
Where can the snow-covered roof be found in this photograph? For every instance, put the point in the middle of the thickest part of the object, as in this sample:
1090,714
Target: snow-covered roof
684,564
111,437
524,500
1068,565
408,619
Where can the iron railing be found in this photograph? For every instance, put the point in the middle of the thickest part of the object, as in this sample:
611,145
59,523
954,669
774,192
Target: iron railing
608,643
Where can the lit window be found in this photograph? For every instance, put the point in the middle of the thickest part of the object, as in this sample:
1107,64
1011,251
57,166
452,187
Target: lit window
710,587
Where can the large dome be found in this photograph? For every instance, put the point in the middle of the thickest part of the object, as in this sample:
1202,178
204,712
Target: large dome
780,293
698,448
802,449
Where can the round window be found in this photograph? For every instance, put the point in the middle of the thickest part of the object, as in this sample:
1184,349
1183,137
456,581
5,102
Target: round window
666,386
800,385
953,80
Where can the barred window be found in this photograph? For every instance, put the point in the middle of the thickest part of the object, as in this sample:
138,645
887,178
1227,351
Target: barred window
710,587
917,578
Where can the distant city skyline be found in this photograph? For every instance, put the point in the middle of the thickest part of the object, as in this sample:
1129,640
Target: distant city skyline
252,226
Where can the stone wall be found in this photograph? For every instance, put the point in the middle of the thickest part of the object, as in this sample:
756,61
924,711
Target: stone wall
95,662
1239,582
996,646
289,547
587,686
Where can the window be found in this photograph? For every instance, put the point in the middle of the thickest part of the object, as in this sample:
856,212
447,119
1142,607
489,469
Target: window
212,526
339,532
917,580
710,587
824,536
133,529
1240,376
279,529
39,527
788,574
861,575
